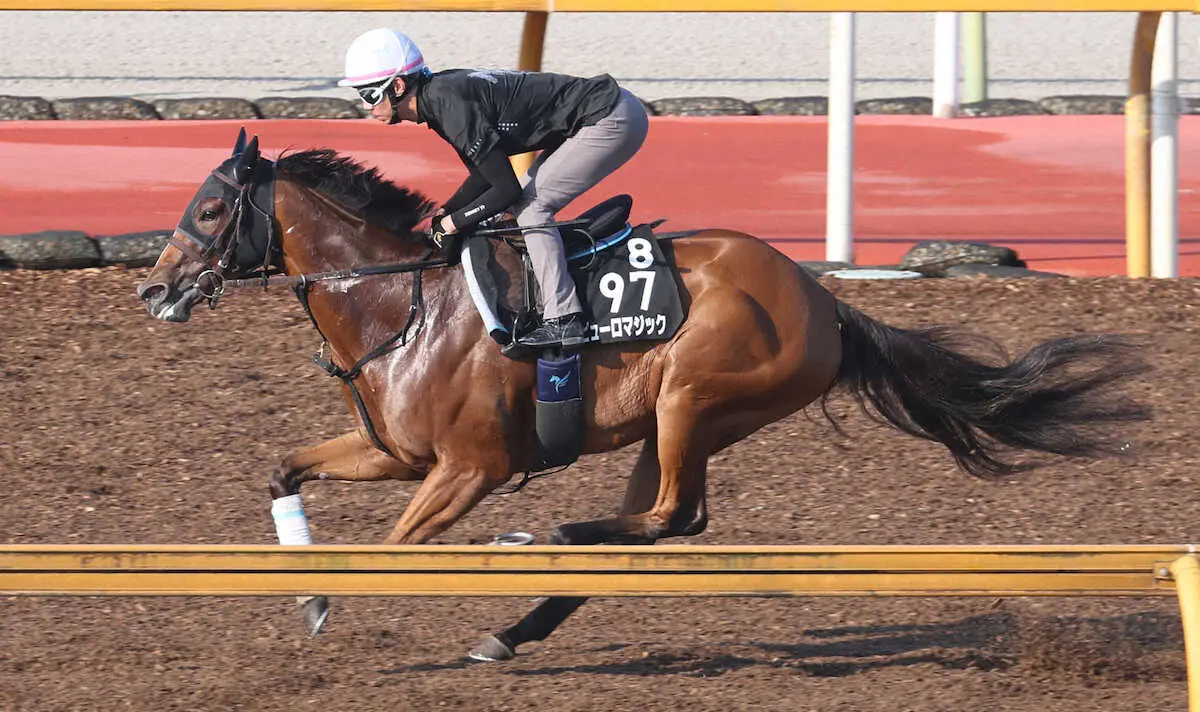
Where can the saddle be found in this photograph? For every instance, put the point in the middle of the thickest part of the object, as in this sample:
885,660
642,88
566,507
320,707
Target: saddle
626,279
624,275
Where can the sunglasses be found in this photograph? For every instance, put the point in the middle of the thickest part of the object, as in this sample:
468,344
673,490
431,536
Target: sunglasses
372,95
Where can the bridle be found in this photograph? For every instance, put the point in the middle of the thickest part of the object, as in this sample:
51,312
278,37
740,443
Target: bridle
246,253
247,245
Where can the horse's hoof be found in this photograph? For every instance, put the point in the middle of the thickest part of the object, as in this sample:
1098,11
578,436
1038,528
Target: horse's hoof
491,650
512,539
314,610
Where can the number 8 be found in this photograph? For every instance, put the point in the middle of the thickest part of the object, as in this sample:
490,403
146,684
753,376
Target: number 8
641,253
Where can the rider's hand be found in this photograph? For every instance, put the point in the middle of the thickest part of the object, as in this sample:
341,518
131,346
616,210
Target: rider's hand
438,224
436,236
434,218
439,235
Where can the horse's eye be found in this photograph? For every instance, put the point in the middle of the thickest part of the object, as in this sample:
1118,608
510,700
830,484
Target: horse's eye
206,215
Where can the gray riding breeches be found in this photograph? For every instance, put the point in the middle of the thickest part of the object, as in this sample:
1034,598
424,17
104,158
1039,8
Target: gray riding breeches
554,180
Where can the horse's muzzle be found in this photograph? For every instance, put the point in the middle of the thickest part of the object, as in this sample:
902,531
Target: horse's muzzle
165,303
152,293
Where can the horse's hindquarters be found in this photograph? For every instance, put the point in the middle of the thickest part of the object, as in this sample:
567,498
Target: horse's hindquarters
759,342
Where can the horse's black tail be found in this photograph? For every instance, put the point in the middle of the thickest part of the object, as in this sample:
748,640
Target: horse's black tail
1053,399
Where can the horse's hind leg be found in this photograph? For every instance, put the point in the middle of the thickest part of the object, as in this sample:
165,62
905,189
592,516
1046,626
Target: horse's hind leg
350,457
665,497
677,506
550,613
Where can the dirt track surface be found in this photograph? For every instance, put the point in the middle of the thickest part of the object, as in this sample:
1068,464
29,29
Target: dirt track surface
121,429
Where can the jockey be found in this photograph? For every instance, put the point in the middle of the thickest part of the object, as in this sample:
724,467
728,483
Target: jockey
584,128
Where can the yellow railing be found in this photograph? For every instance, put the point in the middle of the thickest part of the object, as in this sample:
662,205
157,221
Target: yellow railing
589,570
340,570
1137,110
616,5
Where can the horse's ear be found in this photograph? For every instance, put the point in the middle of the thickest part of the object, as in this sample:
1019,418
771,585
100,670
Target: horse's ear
246,162
240,144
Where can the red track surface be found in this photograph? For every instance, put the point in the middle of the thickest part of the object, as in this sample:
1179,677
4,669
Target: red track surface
1050,187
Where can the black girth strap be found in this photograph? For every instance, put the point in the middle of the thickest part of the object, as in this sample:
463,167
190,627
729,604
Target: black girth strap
416,308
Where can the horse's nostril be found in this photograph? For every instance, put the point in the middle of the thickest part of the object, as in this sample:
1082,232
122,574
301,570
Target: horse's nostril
152,293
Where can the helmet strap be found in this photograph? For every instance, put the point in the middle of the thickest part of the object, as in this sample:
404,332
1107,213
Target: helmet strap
394,99
411,83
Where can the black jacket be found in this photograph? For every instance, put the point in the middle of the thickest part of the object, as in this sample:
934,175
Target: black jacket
490,114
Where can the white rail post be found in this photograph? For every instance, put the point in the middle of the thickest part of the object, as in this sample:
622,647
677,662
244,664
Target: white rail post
1164,151
945,65
839,196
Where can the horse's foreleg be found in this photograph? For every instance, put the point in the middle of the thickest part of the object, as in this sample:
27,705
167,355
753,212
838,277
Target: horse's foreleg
448,492
350,457
640,495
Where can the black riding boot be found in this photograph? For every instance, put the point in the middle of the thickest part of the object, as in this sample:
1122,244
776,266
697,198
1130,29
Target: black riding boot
566,330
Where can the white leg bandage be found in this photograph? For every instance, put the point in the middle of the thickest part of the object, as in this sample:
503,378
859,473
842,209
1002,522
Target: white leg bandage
290,525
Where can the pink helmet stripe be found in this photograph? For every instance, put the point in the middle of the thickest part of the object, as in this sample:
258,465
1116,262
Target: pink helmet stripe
412,65
384,74
374,75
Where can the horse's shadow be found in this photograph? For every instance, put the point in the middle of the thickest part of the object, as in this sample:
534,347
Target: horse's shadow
827,652
831,652
995,641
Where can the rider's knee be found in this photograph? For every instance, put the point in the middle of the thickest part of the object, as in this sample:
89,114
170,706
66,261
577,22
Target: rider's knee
535,213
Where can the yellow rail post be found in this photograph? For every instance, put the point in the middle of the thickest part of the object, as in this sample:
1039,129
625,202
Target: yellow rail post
533,40
1137,148
1186,571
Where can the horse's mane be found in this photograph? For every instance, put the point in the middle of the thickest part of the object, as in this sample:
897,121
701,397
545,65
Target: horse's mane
360,189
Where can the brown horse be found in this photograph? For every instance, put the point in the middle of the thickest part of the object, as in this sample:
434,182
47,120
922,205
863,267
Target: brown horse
437,401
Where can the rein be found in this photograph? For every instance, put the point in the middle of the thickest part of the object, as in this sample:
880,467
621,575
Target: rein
266,280
286,280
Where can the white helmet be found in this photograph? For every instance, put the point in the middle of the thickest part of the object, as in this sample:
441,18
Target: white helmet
379,55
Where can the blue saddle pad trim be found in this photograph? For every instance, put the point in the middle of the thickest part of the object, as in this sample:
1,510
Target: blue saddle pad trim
613,239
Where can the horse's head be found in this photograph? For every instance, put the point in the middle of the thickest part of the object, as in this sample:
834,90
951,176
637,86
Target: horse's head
228,231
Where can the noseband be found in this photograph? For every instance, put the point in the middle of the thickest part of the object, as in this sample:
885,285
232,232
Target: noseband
247,245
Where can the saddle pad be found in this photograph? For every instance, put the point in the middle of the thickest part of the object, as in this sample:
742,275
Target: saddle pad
628,288
630,292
